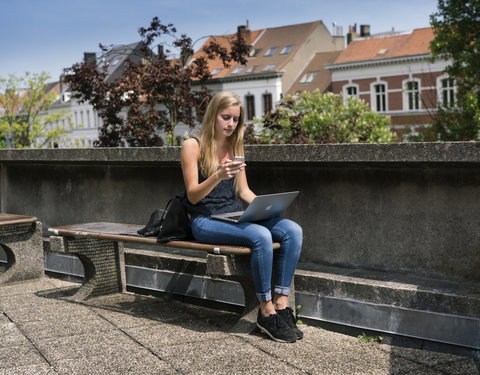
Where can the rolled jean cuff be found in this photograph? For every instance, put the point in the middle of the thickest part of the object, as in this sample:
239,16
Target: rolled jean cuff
264,297
283,290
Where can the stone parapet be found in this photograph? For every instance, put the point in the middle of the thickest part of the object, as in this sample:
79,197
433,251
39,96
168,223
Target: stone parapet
408,208
431,152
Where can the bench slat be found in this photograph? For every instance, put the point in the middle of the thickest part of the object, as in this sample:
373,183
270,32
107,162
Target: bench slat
8,219
128,233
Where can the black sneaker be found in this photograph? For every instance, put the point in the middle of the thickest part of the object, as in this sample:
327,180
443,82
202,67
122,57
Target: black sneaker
275,327
289,317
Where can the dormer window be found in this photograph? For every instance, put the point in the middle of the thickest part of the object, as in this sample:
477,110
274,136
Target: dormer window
269,67
252,69
286,50
216,71
237,70
308,77
254,52
270,51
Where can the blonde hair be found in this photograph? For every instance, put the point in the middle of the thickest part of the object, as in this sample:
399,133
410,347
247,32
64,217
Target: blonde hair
208,147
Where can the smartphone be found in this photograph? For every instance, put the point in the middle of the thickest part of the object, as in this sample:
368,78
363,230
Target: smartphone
239,158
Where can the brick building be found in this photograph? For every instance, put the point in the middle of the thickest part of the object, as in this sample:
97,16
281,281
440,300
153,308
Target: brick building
394,74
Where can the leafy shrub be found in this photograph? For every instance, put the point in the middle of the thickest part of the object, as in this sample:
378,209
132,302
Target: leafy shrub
321,118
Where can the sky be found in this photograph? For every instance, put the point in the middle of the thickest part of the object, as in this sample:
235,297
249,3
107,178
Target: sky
50,35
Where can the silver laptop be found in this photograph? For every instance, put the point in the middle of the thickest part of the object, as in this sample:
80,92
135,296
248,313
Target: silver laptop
262,207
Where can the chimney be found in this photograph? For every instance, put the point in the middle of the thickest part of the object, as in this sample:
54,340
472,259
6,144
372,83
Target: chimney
352,33
364,30
244,32
90,57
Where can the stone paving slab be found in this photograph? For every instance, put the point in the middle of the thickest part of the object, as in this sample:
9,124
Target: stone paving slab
28,287
19,355
41,332
3,318
138,363
86,345
29,370
214,355
65,326
11,335
56,310
180,331
130,310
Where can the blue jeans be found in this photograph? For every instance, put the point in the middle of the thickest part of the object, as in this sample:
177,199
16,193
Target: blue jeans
259,237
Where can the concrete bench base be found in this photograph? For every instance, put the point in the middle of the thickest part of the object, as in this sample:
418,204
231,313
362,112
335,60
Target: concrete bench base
21,240
102,260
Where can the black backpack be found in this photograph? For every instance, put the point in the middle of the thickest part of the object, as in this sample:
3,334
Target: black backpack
169,224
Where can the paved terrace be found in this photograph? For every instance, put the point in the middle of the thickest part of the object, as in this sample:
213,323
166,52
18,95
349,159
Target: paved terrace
44,333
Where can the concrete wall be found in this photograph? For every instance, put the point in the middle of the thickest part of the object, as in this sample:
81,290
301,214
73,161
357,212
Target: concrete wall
409,208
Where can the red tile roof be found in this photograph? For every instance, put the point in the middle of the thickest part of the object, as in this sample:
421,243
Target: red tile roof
415,43
262,40
223,41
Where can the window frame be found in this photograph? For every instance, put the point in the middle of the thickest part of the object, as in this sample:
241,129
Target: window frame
237,70
407,93
216,71
441,90
308,77
271,51
287,49
269,67
267,99
249,107
351,86
374,96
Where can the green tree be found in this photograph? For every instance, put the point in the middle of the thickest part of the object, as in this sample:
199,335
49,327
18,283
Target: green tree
322,118
24,103
456,28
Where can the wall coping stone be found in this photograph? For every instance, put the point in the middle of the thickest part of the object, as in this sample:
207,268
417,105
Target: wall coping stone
467,153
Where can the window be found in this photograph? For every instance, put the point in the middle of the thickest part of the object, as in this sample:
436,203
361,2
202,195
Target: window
237,70
270,51
250,100
380,97
413,95
216,71
308,77
286,50
447,92
269,67
255,52
267,103
252,69
351,91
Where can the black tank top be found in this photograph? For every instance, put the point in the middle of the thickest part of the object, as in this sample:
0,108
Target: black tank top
220,200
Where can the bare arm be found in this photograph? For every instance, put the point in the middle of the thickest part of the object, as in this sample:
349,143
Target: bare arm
189,160
244,191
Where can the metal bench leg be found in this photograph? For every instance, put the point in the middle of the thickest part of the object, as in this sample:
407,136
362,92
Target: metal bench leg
23,246
103,262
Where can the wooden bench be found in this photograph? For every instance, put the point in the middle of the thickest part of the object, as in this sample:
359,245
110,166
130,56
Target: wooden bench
21,240
100,248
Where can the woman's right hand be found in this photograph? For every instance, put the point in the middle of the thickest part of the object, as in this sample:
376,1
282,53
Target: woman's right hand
228,169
